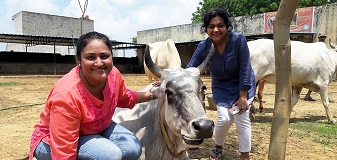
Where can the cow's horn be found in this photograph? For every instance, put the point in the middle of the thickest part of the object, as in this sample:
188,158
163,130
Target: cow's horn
331,45
149,63
204,65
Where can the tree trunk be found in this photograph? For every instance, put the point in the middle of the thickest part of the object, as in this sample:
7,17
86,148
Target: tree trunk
282,109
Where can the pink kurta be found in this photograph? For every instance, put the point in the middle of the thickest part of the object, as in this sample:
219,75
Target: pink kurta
71,110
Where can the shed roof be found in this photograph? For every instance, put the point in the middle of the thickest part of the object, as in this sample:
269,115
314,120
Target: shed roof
32,40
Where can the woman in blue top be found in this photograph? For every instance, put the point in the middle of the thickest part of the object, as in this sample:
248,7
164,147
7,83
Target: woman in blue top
233,79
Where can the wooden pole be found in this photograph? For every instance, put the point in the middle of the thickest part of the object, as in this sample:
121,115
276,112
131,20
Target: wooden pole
83,12
282,109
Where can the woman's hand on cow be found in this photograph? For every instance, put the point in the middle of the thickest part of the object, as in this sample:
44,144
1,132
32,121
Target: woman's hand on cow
155,91
156,83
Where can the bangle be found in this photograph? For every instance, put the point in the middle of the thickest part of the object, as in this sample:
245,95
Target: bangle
151,96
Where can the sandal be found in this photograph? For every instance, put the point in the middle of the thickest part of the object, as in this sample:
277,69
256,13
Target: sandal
331,101
309,99
216,154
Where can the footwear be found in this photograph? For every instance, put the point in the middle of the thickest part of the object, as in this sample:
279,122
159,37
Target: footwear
309,99
216,154
331,101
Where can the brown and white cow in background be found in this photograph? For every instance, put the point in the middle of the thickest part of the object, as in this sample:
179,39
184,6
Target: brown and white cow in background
164,55
174,122
313,66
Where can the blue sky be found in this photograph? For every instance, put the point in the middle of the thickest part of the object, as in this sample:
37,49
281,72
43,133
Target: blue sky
119,19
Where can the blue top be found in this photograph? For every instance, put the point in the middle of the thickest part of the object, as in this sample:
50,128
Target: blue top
230,72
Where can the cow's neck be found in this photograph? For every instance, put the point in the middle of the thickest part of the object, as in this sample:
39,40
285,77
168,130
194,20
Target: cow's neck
169,138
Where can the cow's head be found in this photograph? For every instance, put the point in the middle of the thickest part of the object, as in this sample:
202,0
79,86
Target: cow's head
181,95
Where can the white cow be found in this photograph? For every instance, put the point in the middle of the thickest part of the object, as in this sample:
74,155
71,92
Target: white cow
165,55
335,48
174,122
313,66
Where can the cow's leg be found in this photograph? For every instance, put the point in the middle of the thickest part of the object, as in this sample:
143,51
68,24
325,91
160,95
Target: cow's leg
325,100
295,96
260,88
150,78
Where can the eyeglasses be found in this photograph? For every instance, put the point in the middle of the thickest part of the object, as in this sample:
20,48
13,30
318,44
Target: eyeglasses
219,26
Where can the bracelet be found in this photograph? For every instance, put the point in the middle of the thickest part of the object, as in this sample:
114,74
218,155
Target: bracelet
151,96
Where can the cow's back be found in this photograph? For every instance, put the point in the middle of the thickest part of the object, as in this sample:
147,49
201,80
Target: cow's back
309,61
262,57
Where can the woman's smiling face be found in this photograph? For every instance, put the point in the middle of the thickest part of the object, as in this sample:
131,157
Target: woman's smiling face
217,29
96,61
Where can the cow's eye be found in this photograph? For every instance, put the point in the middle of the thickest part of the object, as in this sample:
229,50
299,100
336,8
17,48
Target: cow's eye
203,88
168,92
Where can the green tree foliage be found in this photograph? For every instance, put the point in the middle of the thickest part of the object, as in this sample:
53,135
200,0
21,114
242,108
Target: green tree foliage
134,39
248,7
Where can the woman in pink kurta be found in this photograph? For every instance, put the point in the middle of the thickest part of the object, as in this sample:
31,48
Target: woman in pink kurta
76,122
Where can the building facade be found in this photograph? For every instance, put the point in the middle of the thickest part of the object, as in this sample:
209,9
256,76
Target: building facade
31,23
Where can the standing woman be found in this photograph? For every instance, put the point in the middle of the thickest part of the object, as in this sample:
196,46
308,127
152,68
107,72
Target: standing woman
233,80
76,120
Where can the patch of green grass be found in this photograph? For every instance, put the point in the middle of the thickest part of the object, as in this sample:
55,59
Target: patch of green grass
3,84
302,135
323,133
322,141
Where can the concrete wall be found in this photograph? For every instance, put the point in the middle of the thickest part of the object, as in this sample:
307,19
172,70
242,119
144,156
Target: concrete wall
49,63
34,68
326,22
32,23
249,25
180,33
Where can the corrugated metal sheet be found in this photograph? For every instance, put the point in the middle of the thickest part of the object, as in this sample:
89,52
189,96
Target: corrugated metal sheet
32,40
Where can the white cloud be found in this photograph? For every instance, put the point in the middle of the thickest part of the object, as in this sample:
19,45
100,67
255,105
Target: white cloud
42,6
147,16
127,3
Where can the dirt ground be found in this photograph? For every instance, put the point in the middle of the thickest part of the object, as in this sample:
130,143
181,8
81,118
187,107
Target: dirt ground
22,97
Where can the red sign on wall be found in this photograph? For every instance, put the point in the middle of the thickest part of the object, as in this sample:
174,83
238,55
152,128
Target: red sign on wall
302,21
